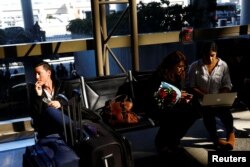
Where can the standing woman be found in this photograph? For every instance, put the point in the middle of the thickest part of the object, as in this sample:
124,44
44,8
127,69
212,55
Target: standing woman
174,120
210,74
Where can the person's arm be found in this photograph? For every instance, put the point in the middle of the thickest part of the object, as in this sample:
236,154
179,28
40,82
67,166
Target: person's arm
35,103
226,85
198,92
192,87
186,97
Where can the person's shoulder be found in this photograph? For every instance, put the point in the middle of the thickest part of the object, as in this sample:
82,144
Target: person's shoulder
222,62
153,80
156,76
57,82
195,63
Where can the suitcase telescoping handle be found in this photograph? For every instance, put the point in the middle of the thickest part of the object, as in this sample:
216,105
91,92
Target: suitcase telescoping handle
106,158
65,102
131,80
84,92
77,112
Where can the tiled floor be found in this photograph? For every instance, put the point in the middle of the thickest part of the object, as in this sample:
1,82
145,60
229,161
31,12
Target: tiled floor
11,152
12,158
16,144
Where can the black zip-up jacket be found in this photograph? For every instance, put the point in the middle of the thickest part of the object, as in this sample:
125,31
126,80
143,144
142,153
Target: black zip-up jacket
38,107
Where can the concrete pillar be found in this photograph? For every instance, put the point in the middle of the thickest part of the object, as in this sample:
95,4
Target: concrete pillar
27,14
245,14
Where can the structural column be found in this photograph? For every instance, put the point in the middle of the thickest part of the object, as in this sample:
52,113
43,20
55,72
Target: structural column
103,22
245,14
97,36
27,14
134,35
101,37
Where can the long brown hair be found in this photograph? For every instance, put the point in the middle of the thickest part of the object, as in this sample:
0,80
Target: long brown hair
166,69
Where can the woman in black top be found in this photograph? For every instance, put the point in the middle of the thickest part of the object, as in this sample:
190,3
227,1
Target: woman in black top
174,121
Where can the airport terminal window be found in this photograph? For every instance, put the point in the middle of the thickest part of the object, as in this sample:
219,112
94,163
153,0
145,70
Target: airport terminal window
51,18
230,12
13,92
63,67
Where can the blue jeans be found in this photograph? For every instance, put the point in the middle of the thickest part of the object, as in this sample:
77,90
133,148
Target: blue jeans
51,122
56,115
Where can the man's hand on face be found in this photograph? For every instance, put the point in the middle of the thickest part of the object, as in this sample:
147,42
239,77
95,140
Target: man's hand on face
38,88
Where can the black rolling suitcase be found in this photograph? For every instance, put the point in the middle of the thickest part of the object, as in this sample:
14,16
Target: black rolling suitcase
96,144
99,146
50,151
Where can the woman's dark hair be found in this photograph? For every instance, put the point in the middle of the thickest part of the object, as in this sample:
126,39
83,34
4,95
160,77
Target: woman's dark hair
208,47
172,59
168,64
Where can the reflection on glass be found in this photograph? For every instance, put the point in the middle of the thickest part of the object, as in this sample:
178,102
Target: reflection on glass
13,92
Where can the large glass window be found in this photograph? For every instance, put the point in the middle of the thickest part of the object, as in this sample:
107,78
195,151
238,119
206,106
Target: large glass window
227,13
53,16
41,20
11,14
51,20
13,92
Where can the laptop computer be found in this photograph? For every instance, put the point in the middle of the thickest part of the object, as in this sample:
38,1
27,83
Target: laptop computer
220,99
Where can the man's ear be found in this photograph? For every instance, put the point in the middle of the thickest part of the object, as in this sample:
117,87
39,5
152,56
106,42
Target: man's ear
49,72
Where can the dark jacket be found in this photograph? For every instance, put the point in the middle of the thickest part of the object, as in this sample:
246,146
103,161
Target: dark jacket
38,107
